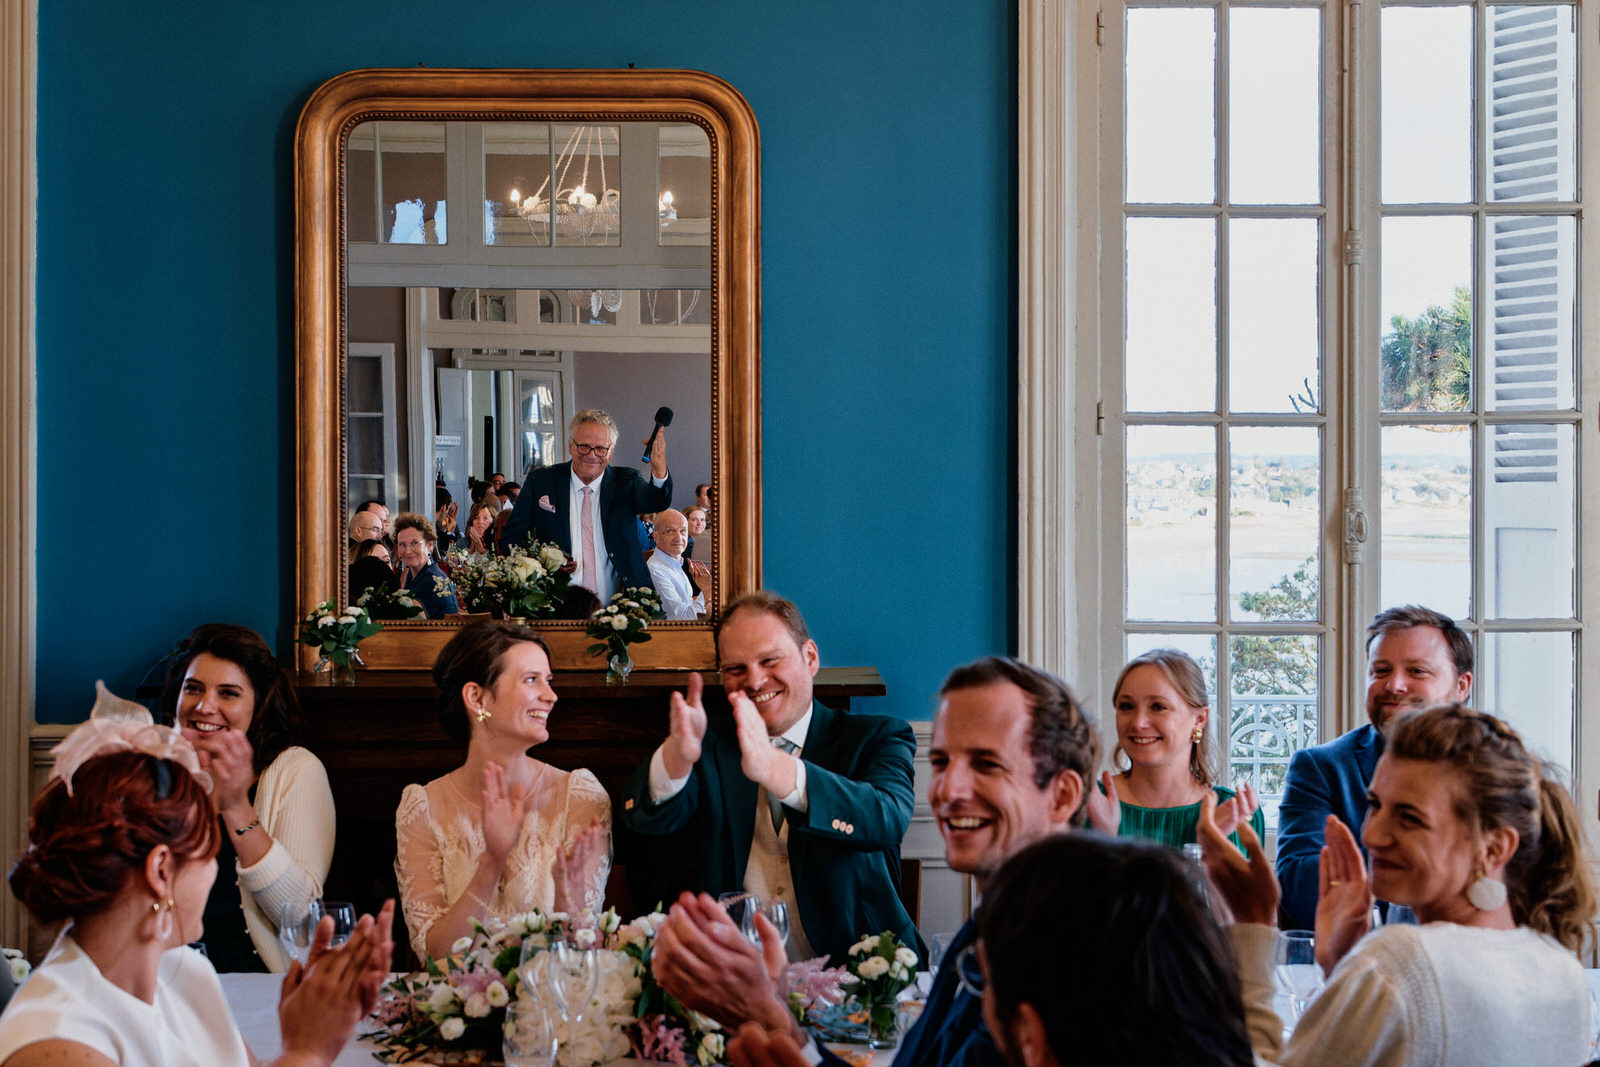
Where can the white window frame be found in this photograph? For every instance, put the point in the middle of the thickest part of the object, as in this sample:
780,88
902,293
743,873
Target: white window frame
1061,550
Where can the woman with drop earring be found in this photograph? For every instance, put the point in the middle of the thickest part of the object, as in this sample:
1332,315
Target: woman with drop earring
1162,715
503,833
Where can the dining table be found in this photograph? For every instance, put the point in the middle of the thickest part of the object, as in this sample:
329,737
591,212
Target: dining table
254,1000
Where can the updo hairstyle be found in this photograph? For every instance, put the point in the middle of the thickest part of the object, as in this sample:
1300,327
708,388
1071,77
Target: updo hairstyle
84,848
1548,881
1185,676
473,655
275,722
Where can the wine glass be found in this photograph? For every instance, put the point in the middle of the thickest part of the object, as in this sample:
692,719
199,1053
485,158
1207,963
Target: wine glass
741,908
529,1037
531,947
777,914
574,976
297,922
344,918
1297,971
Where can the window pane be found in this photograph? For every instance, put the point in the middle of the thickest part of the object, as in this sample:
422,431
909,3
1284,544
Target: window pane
683,185
1527,680
1275,523
1426,105
1273,321
364,385
1531,106
1272,709
1427,518
1426,285
1172,523
1171,315
516,181
1170,105
1529,498
1274,98
1529,310
396,173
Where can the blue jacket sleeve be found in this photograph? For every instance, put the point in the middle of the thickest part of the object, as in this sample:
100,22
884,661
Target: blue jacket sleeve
870,807
1307,803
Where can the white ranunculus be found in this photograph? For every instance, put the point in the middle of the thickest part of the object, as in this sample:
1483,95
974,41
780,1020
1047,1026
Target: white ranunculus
452,1028
497,994
584,938
326,620
477,1006
619,622
443,999
906,956
863,946
711,1048
899,972
873,967
460,945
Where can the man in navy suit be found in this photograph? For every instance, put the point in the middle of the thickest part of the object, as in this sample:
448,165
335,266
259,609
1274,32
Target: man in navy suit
590,510
1415,658
790,799
1012,758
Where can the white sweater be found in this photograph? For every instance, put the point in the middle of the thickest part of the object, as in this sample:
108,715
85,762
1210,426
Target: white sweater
295,804
1411,996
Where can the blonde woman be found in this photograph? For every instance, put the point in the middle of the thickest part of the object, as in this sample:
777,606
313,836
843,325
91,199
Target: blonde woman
1162,714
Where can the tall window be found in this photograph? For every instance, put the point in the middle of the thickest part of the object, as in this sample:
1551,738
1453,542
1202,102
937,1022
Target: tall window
1339,369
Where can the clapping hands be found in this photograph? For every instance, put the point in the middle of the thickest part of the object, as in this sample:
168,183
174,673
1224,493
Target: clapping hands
323,999
1344,901
687,729
505,809
1248,887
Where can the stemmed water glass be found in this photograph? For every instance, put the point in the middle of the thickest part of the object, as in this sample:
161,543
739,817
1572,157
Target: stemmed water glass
574,976
344,918
297,923
530,1038
1297,971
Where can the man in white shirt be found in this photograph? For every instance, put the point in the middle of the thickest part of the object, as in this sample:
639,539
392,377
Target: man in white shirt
788,798
679,598
589,509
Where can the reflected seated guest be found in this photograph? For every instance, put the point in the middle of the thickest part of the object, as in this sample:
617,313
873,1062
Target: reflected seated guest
503,833
479,519
413,539
669,571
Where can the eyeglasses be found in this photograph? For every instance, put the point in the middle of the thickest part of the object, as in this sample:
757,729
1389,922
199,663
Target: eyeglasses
969,971
406,545
592,450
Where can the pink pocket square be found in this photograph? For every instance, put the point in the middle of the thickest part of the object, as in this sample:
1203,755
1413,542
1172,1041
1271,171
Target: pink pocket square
544,502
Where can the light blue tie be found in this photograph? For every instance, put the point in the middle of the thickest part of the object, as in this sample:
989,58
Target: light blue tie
775,804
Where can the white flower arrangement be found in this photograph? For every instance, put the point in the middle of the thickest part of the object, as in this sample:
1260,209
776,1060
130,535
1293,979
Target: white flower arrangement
526,582
337,635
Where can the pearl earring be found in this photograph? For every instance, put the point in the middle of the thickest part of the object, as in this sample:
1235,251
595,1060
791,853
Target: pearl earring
1485,893
483,713
1199,732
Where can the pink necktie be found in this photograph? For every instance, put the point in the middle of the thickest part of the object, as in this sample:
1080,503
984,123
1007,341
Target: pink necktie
591,573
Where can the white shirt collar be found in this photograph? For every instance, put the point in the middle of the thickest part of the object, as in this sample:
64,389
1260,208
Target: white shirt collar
796,734
579,485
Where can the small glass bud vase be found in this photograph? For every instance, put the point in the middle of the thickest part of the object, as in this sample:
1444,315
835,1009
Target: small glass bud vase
882,1026
341,671
619,667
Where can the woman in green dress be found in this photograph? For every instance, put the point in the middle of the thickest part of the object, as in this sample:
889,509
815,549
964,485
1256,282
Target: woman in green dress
1165,750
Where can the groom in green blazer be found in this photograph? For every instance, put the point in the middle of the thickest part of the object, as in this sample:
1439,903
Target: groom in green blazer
789,799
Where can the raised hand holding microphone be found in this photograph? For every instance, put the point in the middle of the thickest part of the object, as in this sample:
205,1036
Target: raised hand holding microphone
655,452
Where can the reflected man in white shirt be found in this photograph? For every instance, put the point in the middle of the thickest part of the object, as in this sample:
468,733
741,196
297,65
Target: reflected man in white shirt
680,598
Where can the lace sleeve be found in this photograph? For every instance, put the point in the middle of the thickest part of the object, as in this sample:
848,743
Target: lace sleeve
586,801
418,867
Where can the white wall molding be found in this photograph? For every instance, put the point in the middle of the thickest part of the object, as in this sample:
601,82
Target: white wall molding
18,57
1048,434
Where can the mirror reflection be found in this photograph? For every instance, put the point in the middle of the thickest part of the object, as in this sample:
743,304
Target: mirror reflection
572,275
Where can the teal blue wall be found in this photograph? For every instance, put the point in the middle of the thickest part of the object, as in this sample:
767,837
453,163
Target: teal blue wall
165,305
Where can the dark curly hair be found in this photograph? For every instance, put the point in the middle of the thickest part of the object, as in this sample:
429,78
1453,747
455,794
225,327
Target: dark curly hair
473,655
275,722
83,848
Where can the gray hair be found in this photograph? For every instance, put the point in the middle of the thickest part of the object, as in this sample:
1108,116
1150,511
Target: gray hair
594,415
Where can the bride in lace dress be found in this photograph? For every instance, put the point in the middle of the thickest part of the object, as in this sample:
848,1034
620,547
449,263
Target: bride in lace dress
503,833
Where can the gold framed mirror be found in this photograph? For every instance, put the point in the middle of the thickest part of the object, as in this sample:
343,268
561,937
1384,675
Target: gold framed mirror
694,292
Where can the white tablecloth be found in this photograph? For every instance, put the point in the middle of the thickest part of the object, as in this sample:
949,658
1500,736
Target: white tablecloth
254,1000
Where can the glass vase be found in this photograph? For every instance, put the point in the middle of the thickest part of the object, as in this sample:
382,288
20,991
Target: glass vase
340,671
618,667
882,1028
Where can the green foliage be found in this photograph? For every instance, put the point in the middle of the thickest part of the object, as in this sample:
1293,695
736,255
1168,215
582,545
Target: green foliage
1278,666
1427,361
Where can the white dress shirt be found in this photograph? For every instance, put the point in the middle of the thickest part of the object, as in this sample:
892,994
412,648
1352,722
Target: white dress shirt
678,598
605,583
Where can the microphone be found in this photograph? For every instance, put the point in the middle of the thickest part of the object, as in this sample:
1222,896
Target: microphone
663,418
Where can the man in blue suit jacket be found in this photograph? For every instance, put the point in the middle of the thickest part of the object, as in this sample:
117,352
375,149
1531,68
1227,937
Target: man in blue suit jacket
1012,758
549,505
1415,658
816,822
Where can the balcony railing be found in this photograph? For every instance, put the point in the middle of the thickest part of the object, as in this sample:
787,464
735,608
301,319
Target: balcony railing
1263,733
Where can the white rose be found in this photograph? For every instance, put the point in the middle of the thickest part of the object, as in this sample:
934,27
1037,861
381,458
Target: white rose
552,557
862,946
326,620
873,967
452,1028
655,919
460,945
711,1048
524,568
906,956
497,995
444,997
477,1006
583,938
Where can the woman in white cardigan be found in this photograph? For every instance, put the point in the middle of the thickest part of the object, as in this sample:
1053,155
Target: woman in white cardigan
1466,829
236,704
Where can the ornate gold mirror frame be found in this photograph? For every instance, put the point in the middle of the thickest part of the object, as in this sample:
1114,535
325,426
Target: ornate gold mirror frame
322,266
